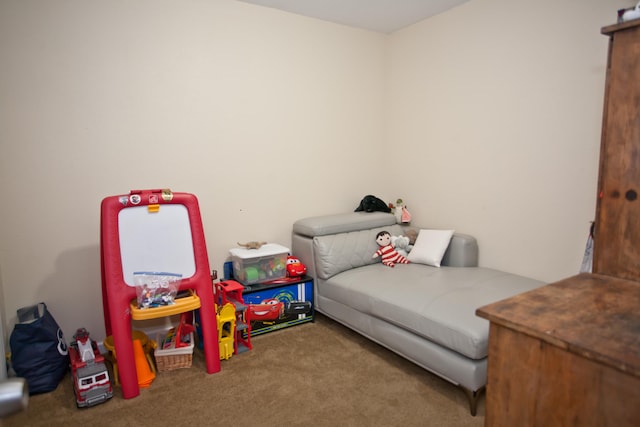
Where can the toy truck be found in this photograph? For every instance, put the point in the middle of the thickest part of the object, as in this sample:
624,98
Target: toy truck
91,381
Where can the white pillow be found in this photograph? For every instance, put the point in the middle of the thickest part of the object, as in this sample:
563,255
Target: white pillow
430,247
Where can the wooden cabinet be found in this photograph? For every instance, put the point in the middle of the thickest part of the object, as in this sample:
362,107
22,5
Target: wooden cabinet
617,227
566,354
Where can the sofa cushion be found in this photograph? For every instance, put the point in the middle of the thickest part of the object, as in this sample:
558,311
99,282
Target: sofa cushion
430,247
336,253
435,303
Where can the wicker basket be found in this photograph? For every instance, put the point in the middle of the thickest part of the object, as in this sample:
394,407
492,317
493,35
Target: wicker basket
174,358
168,363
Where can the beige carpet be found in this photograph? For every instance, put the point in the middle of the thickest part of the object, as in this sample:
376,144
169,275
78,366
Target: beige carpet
319,374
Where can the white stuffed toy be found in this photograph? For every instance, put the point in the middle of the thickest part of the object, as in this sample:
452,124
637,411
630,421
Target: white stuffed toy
401,244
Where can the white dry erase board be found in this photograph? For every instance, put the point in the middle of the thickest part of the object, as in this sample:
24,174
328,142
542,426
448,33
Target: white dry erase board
156,241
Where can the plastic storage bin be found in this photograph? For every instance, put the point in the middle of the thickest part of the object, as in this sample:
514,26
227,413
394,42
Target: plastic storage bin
251,266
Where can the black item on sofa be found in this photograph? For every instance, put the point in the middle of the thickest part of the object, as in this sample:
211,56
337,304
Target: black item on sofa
372,204
38,349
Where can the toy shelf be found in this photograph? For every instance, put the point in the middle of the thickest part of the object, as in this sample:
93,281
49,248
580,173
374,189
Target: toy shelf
242,327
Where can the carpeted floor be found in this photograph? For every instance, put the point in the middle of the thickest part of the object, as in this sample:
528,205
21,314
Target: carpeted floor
318,373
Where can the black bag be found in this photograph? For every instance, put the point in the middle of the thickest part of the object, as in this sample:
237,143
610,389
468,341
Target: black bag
372,204
39,351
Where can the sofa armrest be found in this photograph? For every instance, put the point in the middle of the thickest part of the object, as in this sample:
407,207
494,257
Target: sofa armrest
462,251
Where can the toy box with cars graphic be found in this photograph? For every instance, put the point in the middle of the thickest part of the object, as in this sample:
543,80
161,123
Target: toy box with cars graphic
275,306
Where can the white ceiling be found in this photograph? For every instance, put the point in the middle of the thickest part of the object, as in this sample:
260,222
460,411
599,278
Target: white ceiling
385,16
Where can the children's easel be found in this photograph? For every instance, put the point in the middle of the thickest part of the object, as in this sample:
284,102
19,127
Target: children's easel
153,230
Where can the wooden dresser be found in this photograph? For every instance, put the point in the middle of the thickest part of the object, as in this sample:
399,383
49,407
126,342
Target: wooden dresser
568,354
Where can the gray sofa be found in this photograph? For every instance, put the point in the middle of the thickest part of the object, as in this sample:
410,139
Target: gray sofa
425,314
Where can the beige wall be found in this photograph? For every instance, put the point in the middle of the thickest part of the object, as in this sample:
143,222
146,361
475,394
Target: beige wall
492,122
495,112
265,116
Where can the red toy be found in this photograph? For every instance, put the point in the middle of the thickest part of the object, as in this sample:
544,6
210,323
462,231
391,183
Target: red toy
230,291
295,268
90,375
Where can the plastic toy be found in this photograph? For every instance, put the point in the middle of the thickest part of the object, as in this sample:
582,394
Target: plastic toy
179,336
226,327
294,267
390,257
272,267
90,375
252,245
234,327
144,374
251,274
147,345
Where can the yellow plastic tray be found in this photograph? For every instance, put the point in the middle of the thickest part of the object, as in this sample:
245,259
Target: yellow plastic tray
188,303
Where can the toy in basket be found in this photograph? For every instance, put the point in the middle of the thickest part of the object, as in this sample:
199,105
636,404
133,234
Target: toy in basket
175,349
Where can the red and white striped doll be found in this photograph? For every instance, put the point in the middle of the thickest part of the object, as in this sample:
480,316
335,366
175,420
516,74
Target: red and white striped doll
390,257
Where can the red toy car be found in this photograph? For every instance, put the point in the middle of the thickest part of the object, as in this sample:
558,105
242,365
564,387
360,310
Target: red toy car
294,267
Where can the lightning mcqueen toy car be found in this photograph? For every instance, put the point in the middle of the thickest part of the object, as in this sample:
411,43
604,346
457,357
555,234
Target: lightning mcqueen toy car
295,268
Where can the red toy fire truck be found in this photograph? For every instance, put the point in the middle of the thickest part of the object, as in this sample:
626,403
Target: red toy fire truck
90,374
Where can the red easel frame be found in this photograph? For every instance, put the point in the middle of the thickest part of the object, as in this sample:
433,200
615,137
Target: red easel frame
116,294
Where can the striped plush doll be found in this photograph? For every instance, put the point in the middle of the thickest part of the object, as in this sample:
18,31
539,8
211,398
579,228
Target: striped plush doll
390,257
